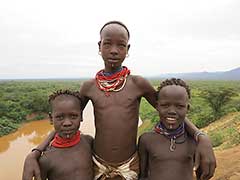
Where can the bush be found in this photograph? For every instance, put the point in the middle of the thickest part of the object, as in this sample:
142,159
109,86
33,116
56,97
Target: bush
216,138
7,126
234,135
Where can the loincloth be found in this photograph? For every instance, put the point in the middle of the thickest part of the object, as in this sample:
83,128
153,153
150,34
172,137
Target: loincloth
127,170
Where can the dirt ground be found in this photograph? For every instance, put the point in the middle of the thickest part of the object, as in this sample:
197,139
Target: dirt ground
228,164
228,160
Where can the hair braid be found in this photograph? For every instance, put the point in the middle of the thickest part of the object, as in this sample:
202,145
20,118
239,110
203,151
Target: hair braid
175,81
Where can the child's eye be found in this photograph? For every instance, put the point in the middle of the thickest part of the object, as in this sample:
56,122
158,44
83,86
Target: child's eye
164,105
59,117
74,116
106,44
180,106
122,45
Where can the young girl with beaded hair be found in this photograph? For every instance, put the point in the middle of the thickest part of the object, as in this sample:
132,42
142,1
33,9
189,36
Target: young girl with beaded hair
116,97
69,155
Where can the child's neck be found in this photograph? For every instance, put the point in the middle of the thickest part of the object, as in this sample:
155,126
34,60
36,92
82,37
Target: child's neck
170,133
109,72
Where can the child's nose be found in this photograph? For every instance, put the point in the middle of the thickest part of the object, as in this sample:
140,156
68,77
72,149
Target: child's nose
114,50
172,110
67,122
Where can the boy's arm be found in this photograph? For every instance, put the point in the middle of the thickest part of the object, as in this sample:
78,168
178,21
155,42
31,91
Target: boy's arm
147,90
84,89
31,167
143,155
205,157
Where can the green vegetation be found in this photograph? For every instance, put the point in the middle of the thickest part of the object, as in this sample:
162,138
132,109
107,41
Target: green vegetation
210,101
225,132
21,98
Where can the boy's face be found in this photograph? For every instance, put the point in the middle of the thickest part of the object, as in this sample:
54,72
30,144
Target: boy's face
66,115
172,105
113,46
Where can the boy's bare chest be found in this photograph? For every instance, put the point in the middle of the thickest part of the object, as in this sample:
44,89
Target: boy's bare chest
161,149
124,98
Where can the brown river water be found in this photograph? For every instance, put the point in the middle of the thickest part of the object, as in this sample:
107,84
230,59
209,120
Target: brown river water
14,147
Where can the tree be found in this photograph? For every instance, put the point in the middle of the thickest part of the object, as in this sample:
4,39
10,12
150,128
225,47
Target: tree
217,99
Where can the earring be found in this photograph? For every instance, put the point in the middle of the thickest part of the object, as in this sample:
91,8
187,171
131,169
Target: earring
127,55
99,53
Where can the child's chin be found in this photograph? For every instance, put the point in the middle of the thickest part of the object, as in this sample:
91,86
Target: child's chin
171,126
67,135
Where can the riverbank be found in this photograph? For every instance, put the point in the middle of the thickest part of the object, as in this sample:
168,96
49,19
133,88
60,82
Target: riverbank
7,126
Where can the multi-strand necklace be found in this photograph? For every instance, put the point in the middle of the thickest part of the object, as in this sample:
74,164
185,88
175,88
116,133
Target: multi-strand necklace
108,82
171,135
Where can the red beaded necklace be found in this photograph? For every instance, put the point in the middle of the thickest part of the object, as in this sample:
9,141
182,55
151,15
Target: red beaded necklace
114,82
64,143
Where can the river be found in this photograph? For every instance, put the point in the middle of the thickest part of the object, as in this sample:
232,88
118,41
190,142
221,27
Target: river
14,147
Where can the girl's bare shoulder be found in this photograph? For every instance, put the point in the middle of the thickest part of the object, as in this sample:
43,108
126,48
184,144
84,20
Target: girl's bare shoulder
87,139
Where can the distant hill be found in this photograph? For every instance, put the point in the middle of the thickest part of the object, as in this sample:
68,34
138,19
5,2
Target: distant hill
233,74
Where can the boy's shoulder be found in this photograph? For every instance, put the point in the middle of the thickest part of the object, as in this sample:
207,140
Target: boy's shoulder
145,137
139,81
88,83
137,78
88,86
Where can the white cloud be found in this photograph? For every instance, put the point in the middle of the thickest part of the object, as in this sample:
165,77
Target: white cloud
45,38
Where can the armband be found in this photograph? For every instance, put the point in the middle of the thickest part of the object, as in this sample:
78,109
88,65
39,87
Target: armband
197,134
36,149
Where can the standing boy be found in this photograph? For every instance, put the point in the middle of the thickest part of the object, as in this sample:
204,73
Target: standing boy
168,152
69,155
116,95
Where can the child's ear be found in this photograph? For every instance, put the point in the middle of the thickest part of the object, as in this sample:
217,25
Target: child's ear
81,116
99,45
128,47
50,117
188,106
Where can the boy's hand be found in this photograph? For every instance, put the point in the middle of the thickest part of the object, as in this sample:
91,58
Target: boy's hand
31,168
205,158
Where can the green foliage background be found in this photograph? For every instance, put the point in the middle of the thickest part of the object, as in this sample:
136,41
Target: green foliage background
21,98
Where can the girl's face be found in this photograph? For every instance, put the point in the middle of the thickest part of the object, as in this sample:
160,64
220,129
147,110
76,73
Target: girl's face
113,46
66,115
172,105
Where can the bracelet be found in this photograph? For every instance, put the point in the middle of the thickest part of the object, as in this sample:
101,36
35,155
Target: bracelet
36,149
197,134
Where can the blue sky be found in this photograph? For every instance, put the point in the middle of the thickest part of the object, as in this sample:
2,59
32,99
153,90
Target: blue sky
58,38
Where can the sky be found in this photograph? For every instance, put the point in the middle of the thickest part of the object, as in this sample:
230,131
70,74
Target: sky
58,38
